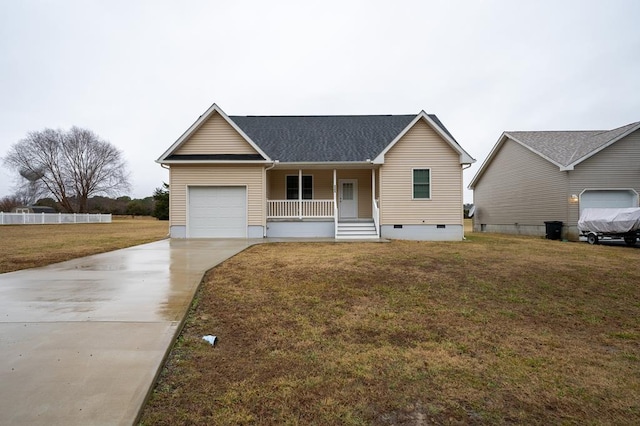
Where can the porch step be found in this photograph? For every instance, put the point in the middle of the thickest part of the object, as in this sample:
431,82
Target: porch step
356,231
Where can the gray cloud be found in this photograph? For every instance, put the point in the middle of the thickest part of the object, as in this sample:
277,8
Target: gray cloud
139,73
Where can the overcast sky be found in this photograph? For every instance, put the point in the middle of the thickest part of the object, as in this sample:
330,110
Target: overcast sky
139,73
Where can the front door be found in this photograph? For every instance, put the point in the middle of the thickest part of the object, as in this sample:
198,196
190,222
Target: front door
348,193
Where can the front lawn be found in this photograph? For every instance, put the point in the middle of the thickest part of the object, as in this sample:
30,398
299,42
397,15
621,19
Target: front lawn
492,330
30,246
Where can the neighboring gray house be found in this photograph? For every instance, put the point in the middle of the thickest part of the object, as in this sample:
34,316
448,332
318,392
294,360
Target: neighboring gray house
529,178
34,209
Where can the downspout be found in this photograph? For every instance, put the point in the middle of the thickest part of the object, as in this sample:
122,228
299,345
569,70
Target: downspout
462,206
375,212
164,166
569,208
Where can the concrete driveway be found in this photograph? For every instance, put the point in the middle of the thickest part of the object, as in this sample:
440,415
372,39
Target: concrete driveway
82,341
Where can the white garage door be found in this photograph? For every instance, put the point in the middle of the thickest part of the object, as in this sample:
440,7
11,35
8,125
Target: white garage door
608,198
217,212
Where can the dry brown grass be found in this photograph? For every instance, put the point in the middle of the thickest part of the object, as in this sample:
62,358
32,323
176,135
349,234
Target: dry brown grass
492,330
28,246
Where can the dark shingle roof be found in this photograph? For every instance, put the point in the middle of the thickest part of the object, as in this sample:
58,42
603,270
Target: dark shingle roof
567,147
325,138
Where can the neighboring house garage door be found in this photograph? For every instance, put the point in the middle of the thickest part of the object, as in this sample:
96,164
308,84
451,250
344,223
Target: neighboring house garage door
608,198
217,212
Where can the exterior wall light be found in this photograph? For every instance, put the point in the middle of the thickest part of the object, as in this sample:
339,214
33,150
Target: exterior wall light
574,198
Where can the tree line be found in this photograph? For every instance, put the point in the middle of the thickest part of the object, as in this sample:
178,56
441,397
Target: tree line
156,205
75,171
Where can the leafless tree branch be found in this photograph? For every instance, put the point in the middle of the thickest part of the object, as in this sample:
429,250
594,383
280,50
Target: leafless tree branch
71,166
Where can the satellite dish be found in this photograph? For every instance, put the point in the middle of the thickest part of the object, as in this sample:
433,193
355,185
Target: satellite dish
31,175
472,210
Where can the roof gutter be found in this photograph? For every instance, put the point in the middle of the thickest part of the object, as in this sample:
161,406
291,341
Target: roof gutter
213,162
275,162
326,164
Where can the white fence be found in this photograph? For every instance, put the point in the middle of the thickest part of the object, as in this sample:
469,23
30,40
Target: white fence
299,208
51,218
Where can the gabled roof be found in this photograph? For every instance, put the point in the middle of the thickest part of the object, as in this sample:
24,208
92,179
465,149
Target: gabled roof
436,125
310,139
213,109
565,149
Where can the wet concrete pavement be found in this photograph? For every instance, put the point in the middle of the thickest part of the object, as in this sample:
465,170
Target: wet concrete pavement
82,341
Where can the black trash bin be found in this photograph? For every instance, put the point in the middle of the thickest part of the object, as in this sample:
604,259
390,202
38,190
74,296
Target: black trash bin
553,230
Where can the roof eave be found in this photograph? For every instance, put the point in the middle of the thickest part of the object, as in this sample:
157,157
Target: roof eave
466,159
213,162
323,164
485,163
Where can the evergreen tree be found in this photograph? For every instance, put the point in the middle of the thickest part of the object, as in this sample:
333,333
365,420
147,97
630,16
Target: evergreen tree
161,197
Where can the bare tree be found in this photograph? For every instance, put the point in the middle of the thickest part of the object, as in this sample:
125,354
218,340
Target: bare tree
69,165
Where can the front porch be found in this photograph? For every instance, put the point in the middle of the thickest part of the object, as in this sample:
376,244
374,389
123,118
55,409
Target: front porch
338,203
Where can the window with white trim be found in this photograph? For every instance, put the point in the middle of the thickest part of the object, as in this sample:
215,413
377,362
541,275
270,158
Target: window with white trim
421,184
292,187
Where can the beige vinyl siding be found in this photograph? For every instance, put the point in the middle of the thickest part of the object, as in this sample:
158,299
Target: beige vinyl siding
520,187
617,166
216,136
421,148
323,185
182,176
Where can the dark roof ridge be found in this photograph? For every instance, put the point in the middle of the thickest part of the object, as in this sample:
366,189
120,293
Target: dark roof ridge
326,115
635,123
596,131
557,131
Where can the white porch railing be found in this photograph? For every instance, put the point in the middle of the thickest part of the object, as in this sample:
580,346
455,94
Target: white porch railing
376,215
286,209
51,218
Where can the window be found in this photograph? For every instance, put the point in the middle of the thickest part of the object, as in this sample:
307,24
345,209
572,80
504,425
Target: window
421,184
292,187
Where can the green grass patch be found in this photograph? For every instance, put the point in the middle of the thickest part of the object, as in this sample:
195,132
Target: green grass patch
30,246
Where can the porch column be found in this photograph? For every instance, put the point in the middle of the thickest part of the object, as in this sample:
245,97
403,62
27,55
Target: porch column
335,204
375,209
335,190
300,193
373,185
